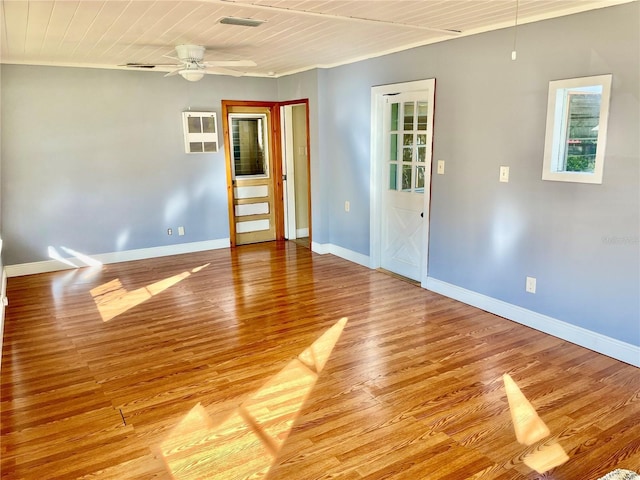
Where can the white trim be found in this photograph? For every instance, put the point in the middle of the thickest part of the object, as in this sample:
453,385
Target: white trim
319,248
288,172
345,253
597,342
115,257
302,232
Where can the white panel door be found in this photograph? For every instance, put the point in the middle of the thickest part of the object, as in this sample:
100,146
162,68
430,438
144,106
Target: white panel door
407,145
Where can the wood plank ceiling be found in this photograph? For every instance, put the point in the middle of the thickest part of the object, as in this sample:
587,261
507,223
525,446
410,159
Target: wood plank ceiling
297,35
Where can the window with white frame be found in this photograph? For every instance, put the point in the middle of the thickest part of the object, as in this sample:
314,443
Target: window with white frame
577,114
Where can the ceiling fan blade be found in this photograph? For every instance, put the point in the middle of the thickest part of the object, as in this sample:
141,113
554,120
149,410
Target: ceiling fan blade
174,72
223,71
230,63
138,65
149,65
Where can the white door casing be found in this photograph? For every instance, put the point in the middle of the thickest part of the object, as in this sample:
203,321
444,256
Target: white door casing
288,172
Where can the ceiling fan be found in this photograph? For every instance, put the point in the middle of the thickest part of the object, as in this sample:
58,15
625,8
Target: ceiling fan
191,65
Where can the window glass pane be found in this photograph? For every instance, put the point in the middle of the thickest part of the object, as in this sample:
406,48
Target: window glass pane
582,131
420,179
422,154
408,116
421,138
423,115
195,147
407,150
208,125
194,125
393,176
210,147
394,116
407,154
393,149
249,147
406,177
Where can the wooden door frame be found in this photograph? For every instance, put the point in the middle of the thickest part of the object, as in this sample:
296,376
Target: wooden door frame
275,152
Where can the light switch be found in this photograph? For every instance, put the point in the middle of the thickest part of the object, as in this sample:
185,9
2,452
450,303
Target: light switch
530,285
504,174
440,167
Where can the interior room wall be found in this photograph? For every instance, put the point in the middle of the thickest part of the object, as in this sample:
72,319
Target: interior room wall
580,241
94,160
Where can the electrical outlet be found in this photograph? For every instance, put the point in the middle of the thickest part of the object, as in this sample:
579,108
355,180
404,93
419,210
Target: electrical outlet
180,230
347,206
440,167
530,286
504,174
169,231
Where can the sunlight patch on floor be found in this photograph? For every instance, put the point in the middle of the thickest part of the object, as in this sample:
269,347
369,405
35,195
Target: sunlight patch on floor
113,299
530,429
528,426
247,443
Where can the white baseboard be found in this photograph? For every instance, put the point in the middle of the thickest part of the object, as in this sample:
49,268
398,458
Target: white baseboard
114,257
355,257
302,232
320,248
580,336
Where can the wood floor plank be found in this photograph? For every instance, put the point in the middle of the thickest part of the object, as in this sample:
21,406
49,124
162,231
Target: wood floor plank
103,368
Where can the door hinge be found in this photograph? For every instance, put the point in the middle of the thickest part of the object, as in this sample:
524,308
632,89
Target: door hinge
284,177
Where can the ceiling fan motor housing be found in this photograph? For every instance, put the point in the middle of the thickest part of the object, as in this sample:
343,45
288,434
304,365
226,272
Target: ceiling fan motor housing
190,53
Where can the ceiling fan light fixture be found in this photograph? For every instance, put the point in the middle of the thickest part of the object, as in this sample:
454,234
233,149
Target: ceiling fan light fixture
191,75
243,22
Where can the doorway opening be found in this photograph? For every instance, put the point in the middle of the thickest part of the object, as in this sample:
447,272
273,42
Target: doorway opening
295,167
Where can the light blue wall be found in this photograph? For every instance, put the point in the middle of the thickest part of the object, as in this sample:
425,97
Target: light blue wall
93,160
579,241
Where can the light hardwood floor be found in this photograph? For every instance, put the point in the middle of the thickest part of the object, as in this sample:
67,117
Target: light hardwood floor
236,364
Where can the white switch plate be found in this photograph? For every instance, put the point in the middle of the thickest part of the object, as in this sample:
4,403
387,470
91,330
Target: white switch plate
504,174
530,285
180,230
347,206
440,167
